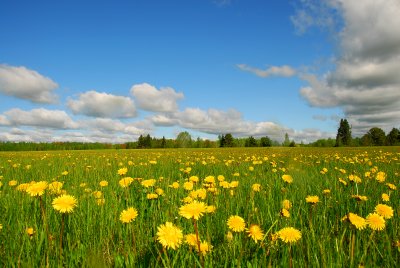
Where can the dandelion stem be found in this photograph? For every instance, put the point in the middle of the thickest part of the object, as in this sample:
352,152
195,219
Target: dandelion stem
61,233
198,241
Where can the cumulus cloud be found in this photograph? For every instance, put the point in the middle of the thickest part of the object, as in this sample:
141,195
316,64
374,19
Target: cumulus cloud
364,81
40,118
92,103
152,99
27,84
4,121
285,70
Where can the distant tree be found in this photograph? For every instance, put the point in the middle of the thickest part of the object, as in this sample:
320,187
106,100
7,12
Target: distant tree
184,140
393,138
163,142
292,144
265,142
251,142
221,139
229,141
377,136
343,137
286,142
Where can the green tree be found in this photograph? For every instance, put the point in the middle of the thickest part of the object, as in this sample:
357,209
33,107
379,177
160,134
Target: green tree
227,140
393,138
251,142
265,142
286,142
377,136
184,140
343,137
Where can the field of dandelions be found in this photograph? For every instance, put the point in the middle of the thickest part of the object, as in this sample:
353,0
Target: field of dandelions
290,207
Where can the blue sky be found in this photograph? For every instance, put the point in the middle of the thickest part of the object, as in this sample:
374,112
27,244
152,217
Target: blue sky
109,71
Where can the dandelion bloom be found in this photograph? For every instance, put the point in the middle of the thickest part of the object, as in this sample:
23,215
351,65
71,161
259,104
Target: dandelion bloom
236,223
122,171
326,191
357,221
148,183
30,231
169,235
229,236
385,197
194,179
313,199
360,197
100,201
97,194
256,187
128,215
380,176
64,203
255,232
37,189
285,213
234,184
188,186
289,235
391,186
55,187
354,178
194,210
159,191
191,240
376,222
175,185
22,187
125,182
287,178
286,204
103,183
151,196
211,209
204,247
12,183
384,210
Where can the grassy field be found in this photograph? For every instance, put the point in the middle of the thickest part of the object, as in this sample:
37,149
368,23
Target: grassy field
310,190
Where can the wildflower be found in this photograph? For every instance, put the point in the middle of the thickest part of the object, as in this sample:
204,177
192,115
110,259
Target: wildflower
103,183
151,196
286,204
188,186
342,181
148,183
169,235
326,191
236,223
193,210
357,221
100,201
385,197
191,240
255,232
64,173
12,183
391,186
256,187
312,199
159,191
37,189
289,235
97,194
64,203
22,187
122,171
359,197
376,222
221,178
229,236
55,187
128,215
30,231
234,184
175,185
380,176
194,179
285,213
204,247
287,178
125,182
354,178
210,209
384,210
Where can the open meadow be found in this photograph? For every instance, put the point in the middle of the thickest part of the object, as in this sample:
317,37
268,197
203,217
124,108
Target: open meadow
239,207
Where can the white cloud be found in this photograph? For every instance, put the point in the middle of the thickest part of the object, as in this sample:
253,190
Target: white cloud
92,103
23,83
284,70
40,118
4,121
151,99
364,81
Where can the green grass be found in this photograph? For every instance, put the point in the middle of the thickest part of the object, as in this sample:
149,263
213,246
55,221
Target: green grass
94,237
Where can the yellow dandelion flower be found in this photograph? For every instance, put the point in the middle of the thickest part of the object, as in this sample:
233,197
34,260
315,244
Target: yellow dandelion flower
97,194
354,178
211,209
37,189
256,187
100,201
289,235
360,197
224,184
188,186
175,185
236,223
380,176
103,183
194,179
148,183
285,213
128,215
384,210
287,178
169,235
64,173
151,196
255,232
385,197
55,187
210,179
342,181
65,203
357,221
193,210
326,191
234,184
375,222
187,200
122,171
286,204
191,240
312,199
1,226
22,187
159,191
391,186
204,247
221,178
30,231
125,182
12,183
229,236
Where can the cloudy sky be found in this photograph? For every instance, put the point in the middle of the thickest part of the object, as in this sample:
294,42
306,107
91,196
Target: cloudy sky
109,71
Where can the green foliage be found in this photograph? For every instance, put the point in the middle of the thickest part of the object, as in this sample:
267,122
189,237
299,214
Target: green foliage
251,142
393,138
265,142
183,140
343,137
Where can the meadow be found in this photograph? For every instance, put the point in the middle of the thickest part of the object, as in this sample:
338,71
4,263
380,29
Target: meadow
237,207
